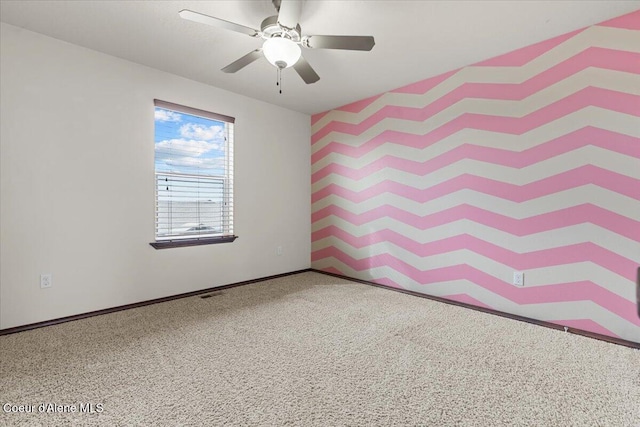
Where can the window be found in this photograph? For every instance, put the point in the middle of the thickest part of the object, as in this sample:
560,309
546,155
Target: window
193,176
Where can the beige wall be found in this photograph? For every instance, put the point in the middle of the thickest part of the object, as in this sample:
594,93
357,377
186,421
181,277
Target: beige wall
77,183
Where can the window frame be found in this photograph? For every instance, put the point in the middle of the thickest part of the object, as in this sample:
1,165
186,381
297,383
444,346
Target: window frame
228,207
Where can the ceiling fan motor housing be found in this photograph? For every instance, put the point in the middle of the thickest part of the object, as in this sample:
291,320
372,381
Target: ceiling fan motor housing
271,28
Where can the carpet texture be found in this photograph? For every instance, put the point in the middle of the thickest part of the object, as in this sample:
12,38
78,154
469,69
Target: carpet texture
311,349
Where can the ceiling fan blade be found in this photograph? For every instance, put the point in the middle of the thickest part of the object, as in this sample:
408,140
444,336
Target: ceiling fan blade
340,42
217,22
289,13
305,71
243,62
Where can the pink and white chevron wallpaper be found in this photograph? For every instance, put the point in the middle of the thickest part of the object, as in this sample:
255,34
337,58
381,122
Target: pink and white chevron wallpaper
526,162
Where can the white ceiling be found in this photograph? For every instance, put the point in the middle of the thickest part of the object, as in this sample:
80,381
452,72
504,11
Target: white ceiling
414,39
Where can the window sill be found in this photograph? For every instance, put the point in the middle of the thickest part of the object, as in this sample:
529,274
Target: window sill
180,243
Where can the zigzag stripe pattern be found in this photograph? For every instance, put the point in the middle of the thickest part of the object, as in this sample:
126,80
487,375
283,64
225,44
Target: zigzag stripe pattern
436,87
387,241
324,230
416,161
525,162
502,92
477,256
402,140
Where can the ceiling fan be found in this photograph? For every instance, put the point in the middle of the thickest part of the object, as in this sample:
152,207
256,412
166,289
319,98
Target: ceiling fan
283,38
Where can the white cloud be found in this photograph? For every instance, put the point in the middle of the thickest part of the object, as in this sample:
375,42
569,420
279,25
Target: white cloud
194,162
167,116
200,132
185,147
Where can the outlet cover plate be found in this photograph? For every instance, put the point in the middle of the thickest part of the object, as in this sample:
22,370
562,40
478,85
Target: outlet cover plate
518,278
46,281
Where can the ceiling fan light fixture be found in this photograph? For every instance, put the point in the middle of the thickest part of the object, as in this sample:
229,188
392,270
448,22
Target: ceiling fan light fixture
281,52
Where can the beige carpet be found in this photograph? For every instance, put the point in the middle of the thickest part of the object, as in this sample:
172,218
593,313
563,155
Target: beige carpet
315,350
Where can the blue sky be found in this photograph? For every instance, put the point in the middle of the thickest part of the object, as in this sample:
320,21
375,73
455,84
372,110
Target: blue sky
188,144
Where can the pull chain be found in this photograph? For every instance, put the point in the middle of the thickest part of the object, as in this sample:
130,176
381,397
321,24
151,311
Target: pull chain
279,79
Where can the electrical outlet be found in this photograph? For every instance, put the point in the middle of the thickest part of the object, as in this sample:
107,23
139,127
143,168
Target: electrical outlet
518,278
279,250
46,281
